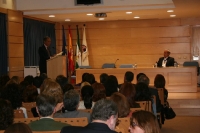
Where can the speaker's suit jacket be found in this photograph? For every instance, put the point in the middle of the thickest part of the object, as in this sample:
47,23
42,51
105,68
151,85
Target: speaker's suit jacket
44,55
170,62
90,128
46,124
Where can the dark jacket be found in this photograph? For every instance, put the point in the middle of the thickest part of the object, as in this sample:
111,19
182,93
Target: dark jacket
170,62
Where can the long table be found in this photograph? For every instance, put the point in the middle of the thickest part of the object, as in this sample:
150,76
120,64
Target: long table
178,79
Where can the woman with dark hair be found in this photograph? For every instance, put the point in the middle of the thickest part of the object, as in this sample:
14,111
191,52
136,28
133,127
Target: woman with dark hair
6,114
111,85
144,122
18,128
142,92
159,82
30,94
90,78
128,90
99,92
86,94
122,104
3,80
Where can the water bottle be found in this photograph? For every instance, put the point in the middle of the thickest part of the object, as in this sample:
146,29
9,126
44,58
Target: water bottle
175,64
155,65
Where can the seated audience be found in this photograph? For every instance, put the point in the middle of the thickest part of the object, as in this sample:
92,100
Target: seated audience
138,76
71,103
29,79
83,79
3,80
18,128
142,92
46,108
99,92
86,94
128,77
6,114
128,90
37,82
103,77
84,83
61,80
111,85
143,122
90,78
104,118
30,94
122,104
67,87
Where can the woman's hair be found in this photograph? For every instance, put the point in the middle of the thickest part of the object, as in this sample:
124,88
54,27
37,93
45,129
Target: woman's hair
84,83
18,128
122,104
52,88
142,92
30,94
6,114
146,121
128,90
86,94
3,80
111,85
90,78
14,79
99,92
159,81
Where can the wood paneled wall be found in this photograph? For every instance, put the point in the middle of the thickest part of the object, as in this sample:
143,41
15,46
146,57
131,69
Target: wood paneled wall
15,43
137,41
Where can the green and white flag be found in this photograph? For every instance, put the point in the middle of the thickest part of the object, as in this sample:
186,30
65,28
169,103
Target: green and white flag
78,50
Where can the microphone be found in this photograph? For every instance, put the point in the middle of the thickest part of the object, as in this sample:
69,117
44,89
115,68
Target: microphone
116,62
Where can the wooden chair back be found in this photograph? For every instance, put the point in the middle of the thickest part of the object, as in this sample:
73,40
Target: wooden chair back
136,109
146,105
2,131
161,95
124,124
25,120
58,131
18,113
83,121
86,110
119,130
28,107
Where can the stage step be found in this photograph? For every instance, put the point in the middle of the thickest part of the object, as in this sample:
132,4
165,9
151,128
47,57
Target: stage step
185,107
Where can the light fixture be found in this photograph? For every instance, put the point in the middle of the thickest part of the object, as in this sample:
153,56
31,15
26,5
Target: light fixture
89,14
51,16
172,15
170,10
101,18
67,20
136,17
128,12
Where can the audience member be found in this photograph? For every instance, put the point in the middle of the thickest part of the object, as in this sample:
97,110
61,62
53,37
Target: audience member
143,122
128,77
165,61
84,83
29,79
99,92
18,128
90,78
104,118
61,80
30,94
67,87
128,90
43,76
111,86
140,74
37,82
122,104
142,92
46,108
71,103
83,79
3,80
103,78
6,114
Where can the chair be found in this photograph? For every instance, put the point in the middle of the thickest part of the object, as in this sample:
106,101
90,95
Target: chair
28,107
146,105
18,113
136,109
83,121
119,130
25,120
161,95
124,123
192,63
86,110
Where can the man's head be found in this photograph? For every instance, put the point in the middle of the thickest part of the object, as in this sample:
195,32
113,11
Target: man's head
166,53
71,100
144,79
47,41
128,77
45,105
105,111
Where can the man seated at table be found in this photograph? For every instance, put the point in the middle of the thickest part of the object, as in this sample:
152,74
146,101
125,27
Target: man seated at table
166,61
45,106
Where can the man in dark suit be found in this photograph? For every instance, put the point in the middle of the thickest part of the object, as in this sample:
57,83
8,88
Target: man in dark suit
45,106
44,54
104,118
166,61
128,78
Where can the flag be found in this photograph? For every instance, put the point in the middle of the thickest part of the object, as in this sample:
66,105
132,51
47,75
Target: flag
63,41
85,52
78,50
70,54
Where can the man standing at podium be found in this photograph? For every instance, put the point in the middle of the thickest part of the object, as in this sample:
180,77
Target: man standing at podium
166,61
44,54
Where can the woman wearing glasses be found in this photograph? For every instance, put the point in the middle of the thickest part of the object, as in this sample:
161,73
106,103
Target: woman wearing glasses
143,122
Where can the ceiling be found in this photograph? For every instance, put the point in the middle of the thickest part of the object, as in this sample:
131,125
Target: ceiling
115,9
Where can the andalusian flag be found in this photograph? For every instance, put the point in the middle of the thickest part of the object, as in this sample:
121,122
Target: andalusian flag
85,52
78,50
70,54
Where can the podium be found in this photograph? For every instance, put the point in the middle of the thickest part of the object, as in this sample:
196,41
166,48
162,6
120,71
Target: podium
57,66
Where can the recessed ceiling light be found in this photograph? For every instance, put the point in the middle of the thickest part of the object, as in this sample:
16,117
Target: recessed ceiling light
136,17
51,16
89,14
67,20
170,10
128,12
101,18
172,15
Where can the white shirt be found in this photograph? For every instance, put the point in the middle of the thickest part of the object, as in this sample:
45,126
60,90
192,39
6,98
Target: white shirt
164,62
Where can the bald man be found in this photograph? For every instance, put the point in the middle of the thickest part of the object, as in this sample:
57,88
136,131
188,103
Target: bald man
166,61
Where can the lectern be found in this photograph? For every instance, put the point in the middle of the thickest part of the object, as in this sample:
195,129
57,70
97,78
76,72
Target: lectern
57,66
